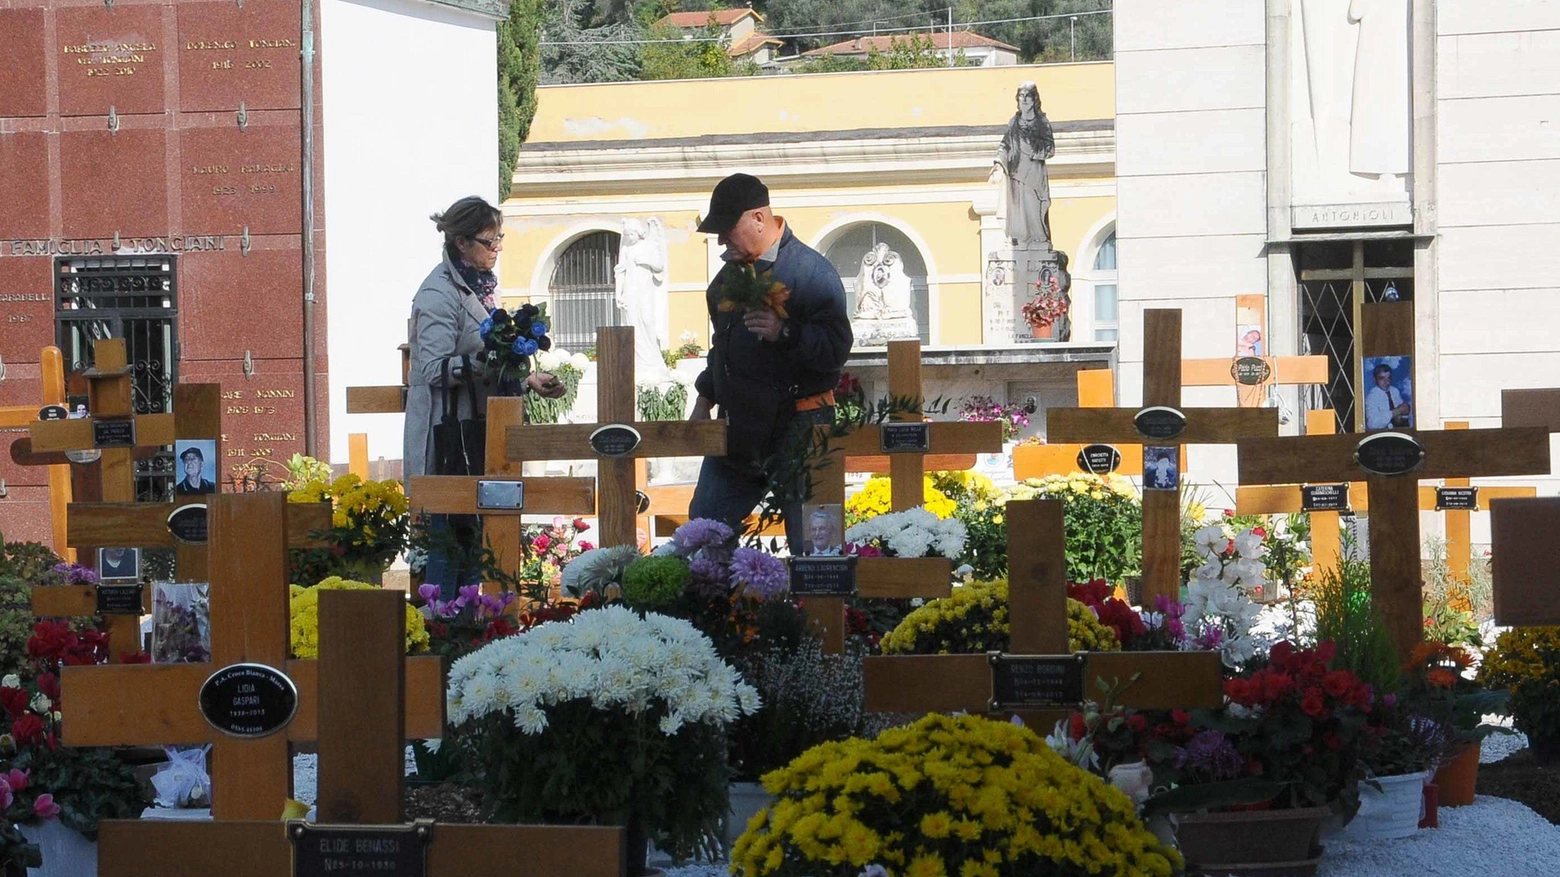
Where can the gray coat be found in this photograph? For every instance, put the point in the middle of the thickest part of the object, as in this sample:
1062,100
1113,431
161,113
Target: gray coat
446,321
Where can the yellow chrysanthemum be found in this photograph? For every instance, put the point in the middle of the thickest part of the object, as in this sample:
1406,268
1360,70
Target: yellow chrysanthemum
305,620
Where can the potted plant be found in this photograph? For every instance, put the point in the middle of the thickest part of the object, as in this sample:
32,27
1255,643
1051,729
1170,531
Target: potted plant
594,720
1398,764
369,528
1437,686
1249,785
1044,310
910,800
1526,661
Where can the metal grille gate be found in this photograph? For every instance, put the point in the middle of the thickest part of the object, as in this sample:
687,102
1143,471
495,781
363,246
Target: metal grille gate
584,290
131,297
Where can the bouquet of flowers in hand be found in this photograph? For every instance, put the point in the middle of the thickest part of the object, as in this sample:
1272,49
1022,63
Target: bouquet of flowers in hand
744,288
984,409
510,340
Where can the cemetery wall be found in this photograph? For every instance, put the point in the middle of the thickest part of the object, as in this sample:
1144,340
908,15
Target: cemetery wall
413,126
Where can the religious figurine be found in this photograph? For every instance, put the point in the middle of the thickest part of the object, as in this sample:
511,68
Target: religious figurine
883,308
1021,160
641,295
1357,95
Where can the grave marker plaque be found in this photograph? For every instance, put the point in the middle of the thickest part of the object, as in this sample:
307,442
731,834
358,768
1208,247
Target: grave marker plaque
360,850
823,576
1034,682
614,440
1324,497
110,56
1160,422
1462,499
230,52
233,178
53,412
248,700
906,438
1099,459
187,523
1389,453
119,599
1251,371
118,432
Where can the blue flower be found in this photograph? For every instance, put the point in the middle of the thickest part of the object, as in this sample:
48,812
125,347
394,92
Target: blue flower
538,329
530,346
487,327
519,347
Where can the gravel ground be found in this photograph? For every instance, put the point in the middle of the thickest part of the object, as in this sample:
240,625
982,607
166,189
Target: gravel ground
306,775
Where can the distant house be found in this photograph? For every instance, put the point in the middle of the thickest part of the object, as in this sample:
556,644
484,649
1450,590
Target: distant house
739,31
979,51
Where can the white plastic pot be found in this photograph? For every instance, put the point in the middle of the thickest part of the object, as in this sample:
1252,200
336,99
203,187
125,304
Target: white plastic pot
65,852
1393,812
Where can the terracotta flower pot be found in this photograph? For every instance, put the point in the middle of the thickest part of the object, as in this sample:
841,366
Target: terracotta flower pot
1266,843
1044,332
1456,778
1432,817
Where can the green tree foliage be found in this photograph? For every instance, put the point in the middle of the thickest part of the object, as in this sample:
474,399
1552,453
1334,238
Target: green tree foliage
519,63
912,52
697,58
583,50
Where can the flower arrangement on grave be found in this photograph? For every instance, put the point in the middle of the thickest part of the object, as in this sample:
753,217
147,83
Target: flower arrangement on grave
17,853
547,548
71,574
960,795
650,695
916,532
981,506
1102,736
510,340
1293,733
688,347
304,608
1219,613
1526,661
1439,685
850,400
568,369
975,619
744,288
1049,305
655,403
1104,521
181,623
46,780
369,527
984,409
876,497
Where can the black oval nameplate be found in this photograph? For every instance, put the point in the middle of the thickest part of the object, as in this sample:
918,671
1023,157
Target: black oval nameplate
53,412
1251,371
906,438
1457,499
823,576
1389,453
1324,497
119,599
641,502
614,440
187,523
1099,459
118,433
248,700
360,850
1020,682
1160,422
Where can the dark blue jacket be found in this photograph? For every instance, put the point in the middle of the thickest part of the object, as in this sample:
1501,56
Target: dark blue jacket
809,361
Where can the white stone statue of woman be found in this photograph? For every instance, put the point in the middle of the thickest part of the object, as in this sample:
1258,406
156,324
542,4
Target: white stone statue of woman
1021,159
641,295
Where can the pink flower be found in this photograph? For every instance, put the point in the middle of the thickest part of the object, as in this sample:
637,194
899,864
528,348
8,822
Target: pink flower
45,808
16,780
541,542
6,797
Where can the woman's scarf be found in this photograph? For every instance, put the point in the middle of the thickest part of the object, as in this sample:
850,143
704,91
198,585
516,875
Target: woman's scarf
482,283
1034,133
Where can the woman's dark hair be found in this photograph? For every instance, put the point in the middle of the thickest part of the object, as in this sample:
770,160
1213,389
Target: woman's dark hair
467,218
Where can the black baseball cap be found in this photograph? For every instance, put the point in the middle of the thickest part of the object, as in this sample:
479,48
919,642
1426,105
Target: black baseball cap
192,452
733,196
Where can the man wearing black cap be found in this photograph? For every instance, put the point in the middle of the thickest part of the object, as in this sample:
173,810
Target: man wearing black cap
193,482
773,376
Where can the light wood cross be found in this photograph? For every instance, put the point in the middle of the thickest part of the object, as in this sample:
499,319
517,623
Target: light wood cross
457,494
120,521
1326,545
1161,390
893,577
363,699
383,400
1252,375
51,373
158,704
1037,620
1096,389
615,409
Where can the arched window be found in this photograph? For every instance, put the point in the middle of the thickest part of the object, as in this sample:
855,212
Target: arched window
582,290
1102,277
855,242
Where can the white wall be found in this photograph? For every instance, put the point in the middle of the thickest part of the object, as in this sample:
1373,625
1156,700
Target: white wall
411,124
1190,182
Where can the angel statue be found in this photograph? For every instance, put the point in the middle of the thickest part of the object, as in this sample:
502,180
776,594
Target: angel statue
1021,160
641,296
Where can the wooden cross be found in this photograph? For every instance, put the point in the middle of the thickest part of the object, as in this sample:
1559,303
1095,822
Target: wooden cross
363,699
1326,546
615,408
893,577
1252,374
1096,389
383,400
457,494
158,704
1161,390
1536,408
51,373
1524,556
1037,619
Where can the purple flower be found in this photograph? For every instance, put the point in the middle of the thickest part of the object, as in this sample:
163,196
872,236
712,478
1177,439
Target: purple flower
469,594
1209,757
1210,639
76,574
1170,608
1389,700
428,592
700,533
1175,628
763,575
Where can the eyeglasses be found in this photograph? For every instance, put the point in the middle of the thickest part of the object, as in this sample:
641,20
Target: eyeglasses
491,244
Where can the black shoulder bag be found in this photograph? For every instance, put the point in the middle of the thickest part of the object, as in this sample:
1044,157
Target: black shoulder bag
460,446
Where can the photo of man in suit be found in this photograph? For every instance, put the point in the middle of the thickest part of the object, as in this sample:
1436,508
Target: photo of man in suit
825,530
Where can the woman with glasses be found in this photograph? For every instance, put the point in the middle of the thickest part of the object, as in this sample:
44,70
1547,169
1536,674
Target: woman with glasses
446,364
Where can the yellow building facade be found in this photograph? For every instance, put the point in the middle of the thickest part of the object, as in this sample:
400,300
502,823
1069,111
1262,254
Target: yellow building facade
851,160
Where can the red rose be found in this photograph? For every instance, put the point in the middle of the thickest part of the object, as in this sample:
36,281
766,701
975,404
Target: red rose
1137,723
1337,683
14,700
1237,690
1312,704
27,730
1275,686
